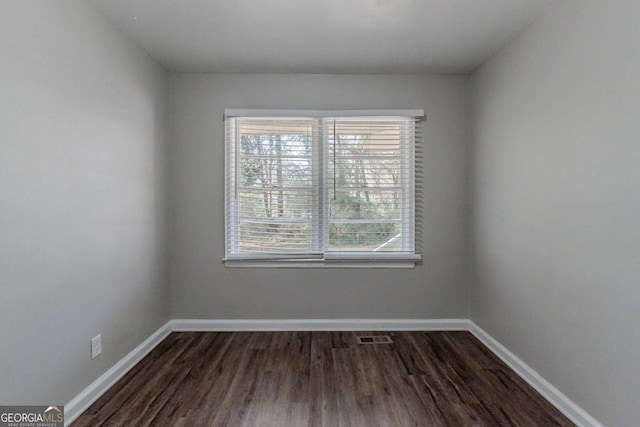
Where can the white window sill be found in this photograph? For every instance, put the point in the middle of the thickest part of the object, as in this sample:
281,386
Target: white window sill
353,261
316,264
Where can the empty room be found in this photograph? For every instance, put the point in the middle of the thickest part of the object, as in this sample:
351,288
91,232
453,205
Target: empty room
320,213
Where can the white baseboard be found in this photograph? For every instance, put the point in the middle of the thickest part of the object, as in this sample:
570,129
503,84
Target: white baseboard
569,408
226,325
81,402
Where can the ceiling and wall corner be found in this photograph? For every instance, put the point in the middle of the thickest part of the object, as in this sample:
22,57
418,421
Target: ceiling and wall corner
321,37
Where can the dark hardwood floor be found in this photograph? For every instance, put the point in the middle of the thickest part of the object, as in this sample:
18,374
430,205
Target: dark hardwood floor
321,379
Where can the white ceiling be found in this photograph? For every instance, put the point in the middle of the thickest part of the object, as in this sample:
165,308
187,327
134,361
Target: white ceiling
321,36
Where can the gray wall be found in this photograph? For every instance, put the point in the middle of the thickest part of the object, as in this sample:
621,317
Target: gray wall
556,202
202,287
82,177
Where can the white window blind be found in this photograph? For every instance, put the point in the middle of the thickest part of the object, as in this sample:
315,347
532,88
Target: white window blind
321,186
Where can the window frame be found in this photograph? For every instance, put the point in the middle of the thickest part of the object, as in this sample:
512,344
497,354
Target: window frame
320,220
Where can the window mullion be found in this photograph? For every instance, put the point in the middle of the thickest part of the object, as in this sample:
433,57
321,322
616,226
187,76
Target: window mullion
323,194
319,217
325,189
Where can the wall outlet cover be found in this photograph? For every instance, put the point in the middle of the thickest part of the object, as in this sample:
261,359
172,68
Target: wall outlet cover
96,346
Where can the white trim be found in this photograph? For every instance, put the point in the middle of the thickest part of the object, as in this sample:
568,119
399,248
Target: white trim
317,218
558,399
243,112
81,402
317,264
371,256
221,325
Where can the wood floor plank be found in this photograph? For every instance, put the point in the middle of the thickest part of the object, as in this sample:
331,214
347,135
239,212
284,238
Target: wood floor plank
187,368
323,397
321,379
139,405
193,384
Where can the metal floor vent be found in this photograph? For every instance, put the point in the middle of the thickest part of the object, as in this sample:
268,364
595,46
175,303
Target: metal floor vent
374,339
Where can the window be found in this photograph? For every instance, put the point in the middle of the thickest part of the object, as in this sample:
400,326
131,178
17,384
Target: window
325,188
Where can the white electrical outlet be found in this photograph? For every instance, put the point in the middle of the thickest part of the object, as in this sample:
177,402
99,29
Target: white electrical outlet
96,346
